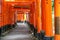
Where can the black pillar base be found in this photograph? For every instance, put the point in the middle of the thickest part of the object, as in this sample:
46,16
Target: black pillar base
38,36
35,32
9,27
0,32
5,28
18,21
32,27
41,35
13,26
48,38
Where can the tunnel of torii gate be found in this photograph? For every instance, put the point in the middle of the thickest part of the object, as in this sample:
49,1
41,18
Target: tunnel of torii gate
39,13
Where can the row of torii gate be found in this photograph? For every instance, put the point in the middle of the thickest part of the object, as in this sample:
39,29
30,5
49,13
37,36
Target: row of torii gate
42,18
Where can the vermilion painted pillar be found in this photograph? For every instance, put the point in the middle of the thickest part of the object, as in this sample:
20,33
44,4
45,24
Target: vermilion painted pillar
0,13
47,18
18,17
57,19
34,20
38,14
32,13
38,18
31,18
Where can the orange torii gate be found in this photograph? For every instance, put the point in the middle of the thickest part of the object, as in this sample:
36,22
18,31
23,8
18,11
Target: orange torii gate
33,6
37,9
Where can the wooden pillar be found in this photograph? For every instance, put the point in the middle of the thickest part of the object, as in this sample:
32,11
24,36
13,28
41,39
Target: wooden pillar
57,19
0,13
47,17
38,15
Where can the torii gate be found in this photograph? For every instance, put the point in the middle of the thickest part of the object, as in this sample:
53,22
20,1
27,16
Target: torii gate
41,11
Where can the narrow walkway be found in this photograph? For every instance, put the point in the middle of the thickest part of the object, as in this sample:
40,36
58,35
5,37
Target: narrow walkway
21,32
